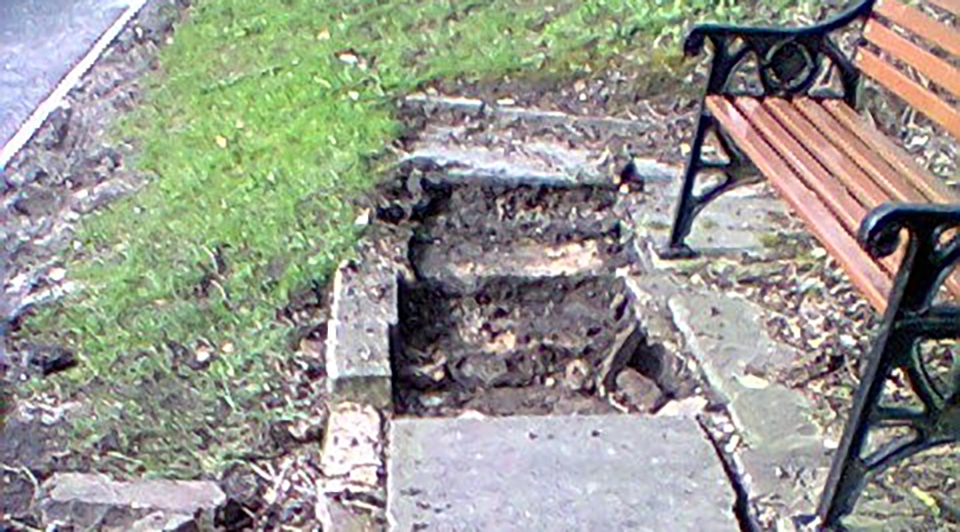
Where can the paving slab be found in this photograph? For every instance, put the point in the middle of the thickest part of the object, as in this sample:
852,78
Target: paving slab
737,222
785,457
536,162
611,472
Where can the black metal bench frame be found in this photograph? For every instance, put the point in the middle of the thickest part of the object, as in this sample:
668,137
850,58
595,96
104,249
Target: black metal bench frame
789,62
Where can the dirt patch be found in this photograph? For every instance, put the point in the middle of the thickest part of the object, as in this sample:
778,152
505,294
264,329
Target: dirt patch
515,307
476,232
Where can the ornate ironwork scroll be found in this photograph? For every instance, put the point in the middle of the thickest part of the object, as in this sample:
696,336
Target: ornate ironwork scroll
788,61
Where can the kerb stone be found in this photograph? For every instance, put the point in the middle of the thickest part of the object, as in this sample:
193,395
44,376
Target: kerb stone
95,501
363,313
784,457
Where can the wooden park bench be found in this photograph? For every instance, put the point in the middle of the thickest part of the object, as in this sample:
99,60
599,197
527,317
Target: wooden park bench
893,227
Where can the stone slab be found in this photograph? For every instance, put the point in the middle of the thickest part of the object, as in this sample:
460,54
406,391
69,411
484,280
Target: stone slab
95,501
739,221
539,162
352,448
785,457
613,472
363,314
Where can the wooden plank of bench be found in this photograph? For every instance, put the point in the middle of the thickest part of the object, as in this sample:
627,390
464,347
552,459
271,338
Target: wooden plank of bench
918,97
897,186
830,156
921,24
937,191
933,189
813,174
931,66
844,206
864,273
953,6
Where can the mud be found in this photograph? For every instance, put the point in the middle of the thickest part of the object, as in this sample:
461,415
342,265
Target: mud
477,232
514,306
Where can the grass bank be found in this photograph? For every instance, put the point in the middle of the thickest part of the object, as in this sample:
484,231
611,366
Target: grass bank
257,129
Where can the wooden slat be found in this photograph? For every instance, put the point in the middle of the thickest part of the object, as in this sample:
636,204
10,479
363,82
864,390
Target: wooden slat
842,246
813,174
917,96
854,145
933,189
931,66
830,156
847,134
844,207
921,24
848,131
952,6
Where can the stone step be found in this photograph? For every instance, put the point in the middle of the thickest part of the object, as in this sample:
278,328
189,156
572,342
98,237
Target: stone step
609,472
479,232
551,338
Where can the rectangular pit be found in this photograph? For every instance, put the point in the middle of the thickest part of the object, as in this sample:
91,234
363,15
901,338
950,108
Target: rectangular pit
517,308
521,346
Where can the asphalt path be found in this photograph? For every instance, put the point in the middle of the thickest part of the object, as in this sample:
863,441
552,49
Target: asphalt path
40,42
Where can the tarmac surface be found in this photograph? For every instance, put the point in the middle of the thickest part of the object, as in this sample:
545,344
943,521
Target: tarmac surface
40,42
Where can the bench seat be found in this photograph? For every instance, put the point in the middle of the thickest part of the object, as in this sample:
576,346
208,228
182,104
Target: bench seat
832,168
781,105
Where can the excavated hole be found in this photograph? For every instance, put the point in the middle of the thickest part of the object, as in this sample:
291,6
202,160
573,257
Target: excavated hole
516,309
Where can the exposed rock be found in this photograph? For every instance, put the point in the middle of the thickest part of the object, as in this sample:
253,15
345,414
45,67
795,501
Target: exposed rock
160,521
620,353
90,500
36,201
637,391
352,448
47,360
482,370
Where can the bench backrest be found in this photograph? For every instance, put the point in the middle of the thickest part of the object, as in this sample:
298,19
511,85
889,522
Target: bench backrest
886,51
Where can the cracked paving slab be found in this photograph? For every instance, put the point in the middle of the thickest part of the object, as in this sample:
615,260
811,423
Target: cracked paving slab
609,472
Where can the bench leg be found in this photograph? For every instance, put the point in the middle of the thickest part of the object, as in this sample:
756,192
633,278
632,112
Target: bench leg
849,470
736,171
936,423
912,316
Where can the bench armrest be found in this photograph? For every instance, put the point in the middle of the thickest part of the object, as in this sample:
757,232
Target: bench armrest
929,259
789,59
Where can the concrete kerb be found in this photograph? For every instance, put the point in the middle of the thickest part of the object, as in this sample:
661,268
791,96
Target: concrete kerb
357,351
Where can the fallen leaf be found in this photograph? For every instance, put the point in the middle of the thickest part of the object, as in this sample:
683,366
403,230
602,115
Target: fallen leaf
752,381
926,499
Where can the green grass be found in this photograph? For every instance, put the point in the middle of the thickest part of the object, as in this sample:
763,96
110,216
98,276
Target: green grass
258,128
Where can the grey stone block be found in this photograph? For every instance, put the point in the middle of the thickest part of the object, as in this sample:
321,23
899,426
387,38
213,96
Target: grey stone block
556,473
785,458
738,222
739,357
363,312
95,501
